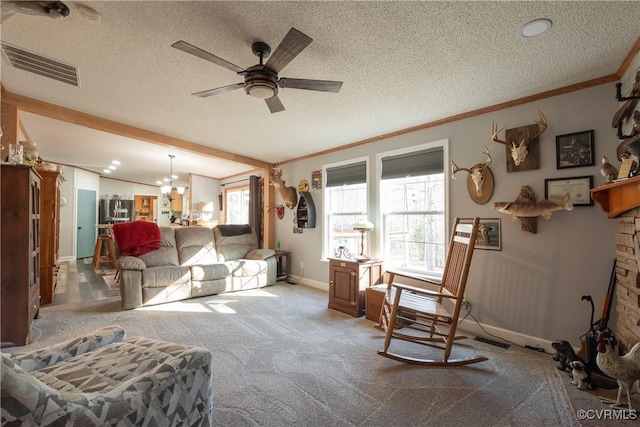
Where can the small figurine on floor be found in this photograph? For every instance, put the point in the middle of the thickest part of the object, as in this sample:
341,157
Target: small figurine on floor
580,375
625,368
564,354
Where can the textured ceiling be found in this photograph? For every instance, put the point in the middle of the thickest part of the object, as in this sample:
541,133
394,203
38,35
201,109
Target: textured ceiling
402,63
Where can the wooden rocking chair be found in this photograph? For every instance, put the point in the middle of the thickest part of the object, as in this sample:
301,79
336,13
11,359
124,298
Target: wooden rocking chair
416,314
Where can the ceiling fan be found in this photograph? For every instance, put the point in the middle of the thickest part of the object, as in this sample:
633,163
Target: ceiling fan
261,80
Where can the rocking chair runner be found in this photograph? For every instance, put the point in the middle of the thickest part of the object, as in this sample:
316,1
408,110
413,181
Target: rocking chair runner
416,314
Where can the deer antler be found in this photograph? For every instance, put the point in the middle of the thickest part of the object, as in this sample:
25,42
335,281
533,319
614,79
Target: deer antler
486,162
455,169
542,122
494,133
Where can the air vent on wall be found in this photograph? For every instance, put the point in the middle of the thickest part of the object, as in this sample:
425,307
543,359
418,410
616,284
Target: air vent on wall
38,64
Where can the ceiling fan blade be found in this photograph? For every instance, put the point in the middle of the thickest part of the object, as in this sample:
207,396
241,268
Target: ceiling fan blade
319,85
274,104
292,44
189,48
218,90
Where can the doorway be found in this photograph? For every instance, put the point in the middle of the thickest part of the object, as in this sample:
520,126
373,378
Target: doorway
86,221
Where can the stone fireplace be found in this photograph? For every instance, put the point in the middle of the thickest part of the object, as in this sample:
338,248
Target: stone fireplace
621,201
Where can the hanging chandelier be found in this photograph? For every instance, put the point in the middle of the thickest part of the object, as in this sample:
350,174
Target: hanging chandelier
167,190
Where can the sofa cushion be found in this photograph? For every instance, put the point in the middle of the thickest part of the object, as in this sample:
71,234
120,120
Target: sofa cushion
160,277
195,246
108,367
166,254
206,272
234,247
249,267
260,254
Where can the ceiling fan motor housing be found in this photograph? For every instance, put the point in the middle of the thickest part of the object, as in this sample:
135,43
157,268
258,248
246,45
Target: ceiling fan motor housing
260,82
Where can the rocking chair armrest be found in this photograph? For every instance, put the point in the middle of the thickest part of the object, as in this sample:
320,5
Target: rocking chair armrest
427,292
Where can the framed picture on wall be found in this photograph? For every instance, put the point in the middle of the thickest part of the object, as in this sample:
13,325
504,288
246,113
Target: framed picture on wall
489,234
574,150
578,188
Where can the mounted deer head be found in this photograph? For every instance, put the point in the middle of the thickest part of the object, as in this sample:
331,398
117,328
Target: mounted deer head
519,151
288,194
480,179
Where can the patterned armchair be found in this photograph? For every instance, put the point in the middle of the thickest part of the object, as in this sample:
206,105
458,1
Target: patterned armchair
104,379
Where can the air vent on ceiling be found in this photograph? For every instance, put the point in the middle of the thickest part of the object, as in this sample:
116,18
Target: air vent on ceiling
38,64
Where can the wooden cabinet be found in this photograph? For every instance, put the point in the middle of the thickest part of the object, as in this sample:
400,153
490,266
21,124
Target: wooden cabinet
144,207
19,252
348,281
49,233
176,203
306,211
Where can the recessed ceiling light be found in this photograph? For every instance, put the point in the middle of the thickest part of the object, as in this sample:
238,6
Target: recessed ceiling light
106,171
159,182
115,162
112,167
535,28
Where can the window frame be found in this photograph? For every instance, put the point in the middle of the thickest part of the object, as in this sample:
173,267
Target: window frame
226,202
380,243
326,250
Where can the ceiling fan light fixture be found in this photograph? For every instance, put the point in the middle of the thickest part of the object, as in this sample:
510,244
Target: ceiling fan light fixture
261,92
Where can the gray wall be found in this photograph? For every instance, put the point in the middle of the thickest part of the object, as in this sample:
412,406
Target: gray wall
530,291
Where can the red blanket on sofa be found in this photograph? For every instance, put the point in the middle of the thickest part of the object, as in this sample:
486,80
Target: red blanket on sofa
137,237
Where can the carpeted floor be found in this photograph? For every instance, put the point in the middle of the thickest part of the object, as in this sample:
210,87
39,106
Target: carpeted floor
281,358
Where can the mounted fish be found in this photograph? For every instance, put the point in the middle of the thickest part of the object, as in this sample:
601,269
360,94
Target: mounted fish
544,208
522,144
479,179
527,210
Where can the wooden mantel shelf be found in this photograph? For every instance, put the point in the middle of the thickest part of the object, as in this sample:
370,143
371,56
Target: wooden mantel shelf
618,197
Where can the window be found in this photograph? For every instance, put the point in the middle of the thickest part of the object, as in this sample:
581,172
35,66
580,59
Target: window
237,205
345,203
412,202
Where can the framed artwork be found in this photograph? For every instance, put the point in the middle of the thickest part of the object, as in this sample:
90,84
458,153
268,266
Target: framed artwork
489,234
574,150
316,179
578,188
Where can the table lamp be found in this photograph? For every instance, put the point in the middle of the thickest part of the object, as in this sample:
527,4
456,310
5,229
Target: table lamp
362,225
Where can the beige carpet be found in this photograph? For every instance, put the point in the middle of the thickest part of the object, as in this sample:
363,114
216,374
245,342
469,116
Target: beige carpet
281,358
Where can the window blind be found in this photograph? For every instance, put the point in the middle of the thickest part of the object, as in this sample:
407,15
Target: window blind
416,163
353,173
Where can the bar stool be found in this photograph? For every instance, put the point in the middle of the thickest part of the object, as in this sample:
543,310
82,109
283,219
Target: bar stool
104,241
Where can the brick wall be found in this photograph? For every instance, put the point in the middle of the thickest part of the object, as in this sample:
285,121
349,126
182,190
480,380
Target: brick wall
628,285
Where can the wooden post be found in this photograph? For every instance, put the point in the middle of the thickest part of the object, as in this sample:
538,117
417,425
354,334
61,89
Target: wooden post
269,212
9,127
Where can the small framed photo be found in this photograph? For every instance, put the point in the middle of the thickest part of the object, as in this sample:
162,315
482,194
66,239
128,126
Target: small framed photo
575,150
578,188
489,234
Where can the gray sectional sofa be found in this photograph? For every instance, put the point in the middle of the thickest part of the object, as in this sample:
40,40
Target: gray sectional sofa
196,261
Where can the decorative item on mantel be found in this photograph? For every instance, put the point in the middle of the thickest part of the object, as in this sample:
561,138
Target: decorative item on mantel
608,171
363,225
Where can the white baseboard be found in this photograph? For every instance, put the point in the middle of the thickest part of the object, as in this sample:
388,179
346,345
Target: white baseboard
470,326
67,258
467,325
311,283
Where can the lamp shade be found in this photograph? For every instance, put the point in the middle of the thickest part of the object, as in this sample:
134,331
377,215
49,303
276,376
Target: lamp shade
363,224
